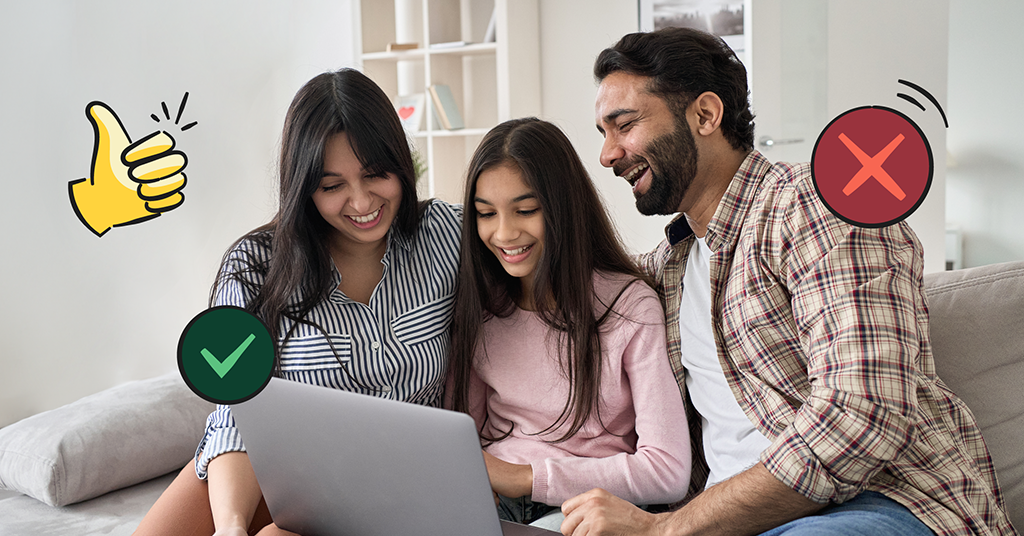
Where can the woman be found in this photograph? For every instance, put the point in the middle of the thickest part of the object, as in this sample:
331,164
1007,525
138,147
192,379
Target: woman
343,276
567,376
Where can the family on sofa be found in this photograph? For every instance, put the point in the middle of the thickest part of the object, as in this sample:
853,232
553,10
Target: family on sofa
767,369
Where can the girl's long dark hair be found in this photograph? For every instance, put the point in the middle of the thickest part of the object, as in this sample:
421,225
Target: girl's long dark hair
298,273
579,239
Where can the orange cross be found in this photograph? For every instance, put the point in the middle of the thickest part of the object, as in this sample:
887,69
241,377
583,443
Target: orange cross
872,167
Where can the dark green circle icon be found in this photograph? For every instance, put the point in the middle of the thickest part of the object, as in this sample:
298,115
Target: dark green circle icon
225,355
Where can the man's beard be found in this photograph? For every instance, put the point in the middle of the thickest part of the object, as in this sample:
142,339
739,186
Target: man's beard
673,165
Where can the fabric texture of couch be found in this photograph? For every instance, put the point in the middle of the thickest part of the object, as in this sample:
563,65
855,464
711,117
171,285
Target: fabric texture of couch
99,455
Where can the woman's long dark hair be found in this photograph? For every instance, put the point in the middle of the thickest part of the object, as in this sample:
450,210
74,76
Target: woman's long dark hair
298,273
579,239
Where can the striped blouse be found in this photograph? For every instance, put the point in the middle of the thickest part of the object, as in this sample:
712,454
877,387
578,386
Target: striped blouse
395,347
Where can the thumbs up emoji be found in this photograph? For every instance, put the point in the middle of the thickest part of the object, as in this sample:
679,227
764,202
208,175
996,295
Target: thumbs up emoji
130,182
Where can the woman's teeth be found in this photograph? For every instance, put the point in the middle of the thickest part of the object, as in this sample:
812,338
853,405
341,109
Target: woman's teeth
514,252
366,219
634,175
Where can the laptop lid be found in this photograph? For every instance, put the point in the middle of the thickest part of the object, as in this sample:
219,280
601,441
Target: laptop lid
332,462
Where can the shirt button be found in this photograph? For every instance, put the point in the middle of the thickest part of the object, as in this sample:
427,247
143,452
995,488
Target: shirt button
375,345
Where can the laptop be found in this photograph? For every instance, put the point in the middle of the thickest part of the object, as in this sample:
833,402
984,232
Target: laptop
331,462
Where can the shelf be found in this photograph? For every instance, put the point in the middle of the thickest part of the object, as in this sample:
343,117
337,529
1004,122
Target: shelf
490,82
416,53
466,50
475,49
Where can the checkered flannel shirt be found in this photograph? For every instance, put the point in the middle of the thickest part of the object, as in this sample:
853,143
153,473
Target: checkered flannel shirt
822,332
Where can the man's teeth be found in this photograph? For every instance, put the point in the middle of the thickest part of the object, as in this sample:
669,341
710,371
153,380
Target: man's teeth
514,252
632,176
366,219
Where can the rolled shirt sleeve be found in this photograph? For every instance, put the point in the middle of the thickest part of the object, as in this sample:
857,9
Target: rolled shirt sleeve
221,433
221,436
855,295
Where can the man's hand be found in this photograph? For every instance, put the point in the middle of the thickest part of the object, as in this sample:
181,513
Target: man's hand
748,503
599,513
509,479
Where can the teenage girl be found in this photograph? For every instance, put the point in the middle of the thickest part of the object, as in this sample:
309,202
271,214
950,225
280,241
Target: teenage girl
558,341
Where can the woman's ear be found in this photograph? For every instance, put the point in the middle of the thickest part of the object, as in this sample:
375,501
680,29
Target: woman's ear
709,109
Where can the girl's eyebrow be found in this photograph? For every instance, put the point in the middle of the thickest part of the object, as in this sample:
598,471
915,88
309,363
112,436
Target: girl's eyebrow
523,197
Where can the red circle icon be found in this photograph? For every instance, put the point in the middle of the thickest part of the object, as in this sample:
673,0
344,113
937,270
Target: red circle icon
872,166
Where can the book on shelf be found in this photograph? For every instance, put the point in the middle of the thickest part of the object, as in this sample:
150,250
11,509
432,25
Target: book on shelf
489,34
450,44
395,47
445,109
410,110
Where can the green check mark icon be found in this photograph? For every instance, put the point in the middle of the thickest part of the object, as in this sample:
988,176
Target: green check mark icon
222,368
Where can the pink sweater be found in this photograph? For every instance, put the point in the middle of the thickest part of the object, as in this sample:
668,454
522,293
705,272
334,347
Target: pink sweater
644,457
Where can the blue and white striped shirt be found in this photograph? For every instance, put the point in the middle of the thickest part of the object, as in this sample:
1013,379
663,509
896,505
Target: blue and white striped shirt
395,347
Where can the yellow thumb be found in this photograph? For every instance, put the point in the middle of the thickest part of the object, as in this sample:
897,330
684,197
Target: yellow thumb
111,139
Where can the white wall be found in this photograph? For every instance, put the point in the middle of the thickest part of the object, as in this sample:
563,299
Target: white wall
568,91
80,313
871,45
986,111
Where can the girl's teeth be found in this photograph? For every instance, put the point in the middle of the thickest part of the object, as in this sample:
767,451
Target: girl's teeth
366,219
514,252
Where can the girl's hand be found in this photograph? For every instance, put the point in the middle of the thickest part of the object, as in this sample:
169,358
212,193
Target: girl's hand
231,531
509,479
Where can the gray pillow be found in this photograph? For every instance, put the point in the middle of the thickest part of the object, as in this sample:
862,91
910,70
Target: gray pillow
103,442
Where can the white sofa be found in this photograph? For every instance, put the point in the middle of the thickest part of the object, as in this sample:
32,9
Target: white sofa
100,457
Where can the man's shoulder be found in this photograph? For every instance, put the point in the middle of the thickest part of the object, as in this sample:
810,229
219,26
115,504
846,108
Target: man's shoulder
788,175
789,187
654,261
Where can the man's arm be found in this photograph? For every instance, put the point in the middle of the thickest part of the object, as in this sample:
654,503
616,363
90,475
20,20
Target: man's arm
749,503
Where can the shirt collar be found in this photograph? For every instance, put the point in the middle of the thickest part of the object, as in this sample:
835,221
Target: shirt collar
677,229
397,238
728,218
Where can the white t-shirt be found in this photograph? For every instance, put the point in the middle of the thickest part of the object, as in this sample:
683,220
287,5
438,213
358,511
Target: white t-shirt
731,443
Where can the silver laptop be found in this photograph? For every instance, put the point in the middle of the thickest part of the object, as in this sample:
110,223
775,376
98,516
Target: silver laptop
331,462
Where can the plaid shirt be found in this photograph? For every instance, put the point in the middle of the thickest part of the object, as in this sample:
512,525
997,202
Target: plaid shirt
822,332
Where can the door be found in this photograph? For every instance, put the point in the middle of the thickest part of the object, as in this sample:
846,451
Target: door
788,59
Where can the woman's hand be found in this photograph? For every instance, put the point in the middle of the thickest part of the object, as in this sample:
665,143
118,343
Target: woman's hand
509,479
231,531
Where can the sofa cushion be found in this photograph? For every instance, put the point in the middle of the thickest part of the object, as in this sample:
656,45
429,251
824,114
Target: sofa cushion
103,442
977,334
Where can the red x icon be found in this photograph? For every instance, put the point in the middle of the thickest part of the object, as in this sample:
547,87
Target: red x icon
843,169
873,167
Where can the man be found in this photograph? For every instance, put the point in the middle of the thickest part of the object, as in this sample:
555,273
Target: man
800,340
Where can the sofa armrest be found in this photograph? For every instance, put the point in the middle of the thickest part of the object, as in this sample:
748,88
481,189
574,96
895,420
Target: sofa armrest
977,336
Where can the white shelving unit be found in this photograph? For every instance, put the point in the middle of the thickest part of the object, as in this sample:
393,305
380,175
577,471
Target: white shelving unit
491,82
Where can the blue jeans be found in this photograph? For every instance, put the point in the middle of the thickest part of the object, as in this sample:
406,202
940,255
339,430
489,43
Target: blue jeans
868,514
